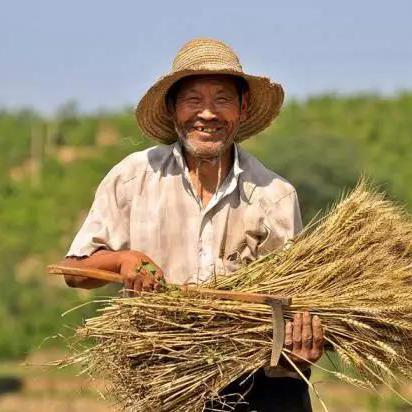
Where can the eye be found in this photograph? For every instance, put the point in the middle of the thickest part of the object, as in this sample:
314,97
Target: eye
222,99
192,99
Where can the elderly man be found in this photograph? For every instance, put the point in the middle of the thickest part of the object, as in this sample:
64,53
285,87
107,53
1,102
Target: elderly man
199,205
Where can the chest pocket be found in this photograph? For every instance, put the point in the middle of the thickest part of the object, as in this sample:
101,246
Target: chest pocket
252,233
246,231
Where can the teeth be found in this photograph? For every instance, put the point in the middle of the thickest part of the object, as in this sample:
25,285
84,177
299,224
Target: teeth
206,129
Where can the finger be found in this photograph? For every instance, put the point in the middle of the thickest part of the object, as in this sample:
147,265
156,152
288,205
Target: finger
148,282
307,331
147,286
130,287
297,331
128,281
145,277
158,286
138,284
318,336
127,273
159,281
159,276
288,335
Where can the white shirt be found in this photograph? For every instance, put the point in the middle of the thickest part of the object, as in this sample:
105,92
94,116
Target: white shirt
147,203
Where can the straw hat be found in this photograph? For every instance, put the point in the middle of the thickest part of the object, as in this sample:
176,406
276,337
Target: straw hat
207,56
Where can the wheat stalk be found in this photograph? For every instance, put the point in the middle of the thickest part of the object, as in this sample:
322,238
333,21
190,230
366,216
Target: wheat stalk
170,352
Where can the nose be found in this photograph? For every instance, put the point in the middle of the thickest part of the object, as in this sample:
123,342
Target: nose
207,114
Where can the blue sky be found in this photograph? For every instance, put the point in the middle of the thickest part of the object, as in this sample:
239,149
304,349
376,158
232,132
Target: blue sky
105,54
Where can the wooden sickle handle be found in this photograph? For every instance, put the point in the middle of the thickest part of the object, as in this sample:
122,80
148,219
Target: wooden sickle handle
85,272
190,290
240,296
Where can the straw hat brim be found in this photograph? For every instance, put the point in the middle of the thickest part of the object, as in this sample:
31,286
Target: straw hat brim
154,119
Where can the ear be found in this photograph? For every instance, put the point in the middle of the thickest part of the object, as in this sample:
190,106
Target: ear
244,106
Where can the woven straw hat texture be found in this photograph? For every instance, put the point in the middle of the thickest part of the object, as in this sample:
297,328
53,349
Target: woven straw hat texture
207,56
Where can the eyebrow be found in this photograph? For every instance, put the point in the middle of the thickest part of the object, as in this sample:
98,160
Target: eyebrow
225,91
220,90
188,91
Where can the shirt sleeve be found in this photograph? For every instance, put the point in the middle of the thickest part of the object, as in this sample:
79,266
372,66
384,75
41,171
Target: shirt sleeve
107,223
282,221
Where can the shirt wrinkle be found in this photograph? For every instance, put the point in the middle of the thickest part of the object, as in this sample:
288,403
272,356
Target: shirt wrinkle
147,204
228,185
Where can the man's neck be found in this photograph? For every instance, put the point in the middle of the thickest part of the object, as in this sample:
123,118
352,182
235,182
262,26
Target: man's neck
207,175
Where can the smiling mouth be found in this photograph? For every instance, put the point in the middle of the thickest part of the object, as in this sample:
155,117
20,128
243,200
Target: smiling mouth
206,129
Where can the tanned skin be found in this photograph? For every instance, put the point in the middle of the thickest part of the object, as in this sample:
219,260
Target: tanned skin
207,114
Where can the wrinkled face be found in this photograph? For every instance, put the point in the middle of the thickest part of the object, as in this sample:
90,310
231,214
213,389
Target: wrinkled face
207,114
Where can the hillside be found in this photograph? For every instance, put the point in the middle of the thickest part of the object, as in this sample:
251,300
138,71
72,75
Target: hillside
49,169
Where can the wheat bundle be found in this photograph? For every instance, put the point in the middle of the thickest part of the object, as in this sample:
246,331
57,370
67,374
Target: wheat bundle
171,352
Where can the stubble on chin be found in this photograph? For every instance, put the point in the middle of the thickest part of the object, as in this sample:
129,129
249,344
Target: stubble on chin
199,152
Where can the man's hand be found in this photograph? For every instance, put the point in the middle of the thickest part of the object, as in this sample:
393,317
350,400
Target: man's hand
139,272
304,338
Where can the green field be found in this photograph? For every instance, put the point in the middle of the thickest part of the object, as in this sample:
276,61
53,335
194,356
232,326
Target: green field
50,168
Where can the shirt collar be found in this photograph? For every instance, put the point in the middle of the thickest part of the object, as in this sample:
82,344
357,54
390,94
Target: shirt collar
227,186
178,155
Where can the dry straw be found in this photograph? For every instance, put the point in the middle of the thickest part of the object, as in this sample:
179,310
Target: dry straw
169,352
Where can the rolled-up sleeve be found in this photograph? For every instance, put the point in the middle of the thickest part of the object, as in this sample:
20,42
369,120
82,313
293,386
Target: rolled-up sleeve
107,225
286,214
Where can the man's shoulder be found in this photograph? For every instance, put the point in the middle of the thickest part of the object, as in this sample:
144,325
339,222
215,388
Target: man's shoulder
137,163
258,177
